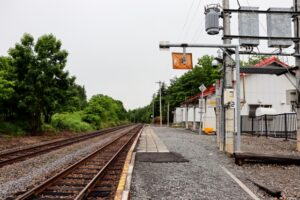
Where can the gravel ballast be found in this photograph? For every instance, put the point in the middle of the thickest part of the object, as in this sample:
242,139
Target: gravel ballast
202,177
20,177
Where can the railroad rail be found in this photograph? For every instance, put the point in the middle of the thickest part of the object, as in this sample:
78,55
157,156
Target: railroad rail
10,157
93,177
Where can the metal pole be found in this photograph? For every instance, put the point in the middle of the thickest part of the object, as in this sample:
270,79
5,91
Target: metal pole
194,118
201,111
160,112
297,63
238,101
186,116
153,116
168,115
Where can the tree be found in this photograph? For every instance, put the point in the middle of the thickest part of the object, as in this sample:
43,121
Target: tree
7,84
41,82
102,109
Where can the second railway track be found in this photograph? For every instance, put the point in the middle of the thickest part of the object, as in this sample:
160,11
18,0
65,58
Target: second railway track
94,177
10,157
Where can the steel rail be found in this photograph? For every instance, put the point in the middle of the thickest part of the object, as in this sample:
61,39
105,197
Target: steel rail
84,193
23,154
33,193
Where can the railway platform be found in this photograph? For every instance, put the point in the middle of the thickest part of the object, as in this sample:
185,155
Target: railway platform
202,172
150,142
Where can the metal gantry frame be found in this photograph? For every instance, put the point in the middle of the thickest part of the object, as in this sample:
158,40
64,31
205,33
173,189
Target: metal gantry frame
223,47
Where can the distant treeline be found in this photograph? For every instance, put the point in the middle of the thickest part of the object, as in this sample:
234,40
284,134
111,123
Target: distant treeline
37,94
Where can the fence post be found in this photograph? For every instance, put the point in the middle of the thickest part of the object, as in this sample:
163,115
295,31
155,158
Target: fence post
285,126
266,125
241,124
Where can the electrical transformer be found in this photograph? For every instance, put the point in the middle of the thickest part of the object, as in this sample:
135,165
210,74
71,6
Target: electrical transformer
248,26
212,15
279,25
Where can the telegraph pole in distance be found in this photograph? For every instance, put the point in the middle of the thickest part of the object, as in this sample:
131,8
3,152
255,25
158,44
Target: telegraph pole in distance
153,111
160,109
168,115
229,112
297,63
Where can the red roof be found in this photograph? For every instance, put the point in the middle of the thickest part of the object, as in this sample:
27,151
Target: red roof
211,90
270,61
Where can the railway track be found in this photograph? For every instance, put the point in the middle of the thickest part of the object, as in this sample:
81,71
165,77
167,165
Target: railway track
94,177
10,157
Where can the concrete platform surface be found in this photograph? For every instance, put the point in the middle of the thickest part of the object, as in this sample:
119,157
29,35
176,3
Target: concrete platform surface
203,177
149,142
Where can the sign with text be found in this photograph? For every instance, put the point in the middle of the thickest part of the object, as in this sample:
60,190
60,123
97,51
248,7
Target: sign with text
182,62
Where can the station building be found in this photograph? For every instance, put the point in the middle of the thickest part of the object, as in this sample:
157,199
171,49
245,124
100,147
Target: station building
256,90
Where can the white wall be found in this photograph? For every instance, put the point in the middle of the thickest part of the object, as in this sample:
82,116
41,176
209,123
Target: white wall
268,89
209,117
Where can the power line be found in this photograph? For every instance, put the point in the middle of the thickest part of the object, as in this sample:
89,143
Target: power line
193,18
187,18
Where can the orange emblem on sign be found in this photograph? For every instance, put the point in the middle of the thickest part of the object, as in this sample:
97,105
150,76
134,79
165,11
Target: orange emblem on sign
181,62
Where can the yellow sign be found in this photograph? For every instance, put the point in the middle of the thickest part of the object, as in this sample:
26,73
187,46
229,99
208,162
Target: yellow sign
212,103
181,62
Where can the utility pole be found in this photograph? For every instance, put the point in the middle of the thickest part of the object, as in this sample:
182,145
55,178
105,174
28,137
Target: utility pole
168,115
153,111
160,109
229,112
297,63
186,115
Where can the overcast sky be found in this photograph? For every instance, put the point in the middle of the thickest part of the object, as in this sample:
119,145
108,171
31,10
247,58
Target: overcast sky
113,44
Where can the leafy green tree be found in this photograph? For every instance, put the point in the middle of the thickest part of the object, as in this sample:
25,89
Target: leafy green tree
75,99
7,84
103,110
41,81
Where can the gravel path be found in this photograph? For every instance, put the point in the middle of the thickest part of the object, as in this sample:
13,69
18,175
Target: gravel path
201,178
22,176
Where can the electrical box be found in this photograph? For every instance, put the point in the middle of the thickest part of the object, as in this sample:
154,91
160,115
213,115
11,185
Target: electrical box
212,15
291,97
279,25
228,96
248,26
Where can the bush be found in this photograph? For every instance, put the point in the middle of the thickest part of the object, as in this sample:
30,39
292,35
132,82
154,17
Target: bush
71,122
48,128
10,128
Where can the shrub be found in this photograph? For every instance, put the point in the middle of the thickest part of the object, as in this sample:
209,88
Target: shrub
48,128
10,128
71,122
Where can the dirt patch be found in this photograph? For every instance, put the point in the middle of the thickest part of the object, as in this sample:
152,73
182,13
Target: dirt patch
269,145
7,142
